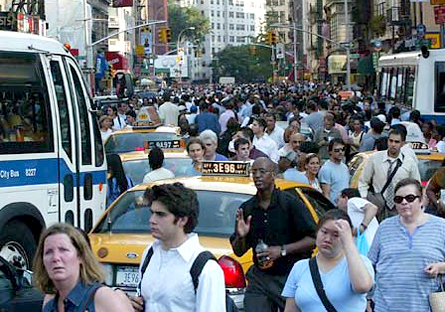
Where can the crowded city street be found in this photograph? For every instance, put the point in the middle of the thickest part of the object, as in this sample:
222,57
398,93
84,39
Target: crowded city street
222,155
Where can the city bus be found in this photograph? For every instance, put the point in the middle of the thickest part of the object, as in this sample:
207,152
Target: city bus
415,80
52,164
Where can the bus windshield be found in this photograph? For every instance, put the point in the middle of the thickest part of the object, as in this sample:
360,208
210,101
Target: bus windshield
24,112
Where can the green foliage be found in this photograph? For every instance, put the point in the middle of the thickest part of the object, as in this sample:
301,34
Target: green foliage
239,62
180,18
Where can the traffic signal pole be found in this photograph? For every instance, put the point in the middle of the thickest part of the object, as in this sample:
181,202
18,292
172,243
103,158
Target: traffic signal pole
128,29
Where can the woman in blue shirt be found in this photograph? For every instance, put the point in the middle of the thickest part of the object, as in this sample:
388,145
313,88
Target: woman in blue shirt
118,182
345,274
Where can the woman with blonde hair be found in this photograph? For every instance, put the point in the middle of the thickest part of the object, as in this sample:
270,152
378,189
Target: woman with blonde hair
66,270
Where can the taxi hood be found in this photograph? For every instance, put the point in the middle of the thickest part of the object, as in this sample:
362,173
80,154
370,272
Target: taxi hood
128,248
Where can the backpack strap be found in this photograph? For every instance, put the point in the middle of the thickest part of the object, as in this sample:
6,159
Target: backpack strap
143,268
318,284
198,265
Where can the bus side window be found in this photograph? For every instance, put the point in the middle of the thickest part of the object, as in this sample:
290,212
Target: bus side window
411,76
65,129
25,125
83,116
439,102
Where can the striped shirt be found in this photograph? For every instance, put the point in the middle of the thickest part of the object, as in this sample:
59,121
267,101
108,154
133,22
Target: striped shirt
400,259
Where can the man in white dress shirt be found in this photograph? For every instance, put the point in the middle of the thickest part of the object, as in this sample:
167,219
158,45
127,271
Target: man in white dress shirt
274,132
262,141
167,283
169,112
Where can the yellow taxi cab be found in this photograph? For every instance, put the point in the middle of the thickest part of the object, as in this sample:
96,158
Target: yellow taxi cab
123,231
429,162
133,138
136,165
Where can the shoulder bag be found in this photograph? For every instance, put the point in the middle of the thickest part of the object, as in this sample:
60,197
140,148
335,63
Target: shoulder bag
377,198
316,279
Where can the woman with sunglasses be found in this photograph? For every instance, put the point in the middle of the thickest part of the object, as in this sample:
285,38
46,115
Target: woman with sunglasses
408,252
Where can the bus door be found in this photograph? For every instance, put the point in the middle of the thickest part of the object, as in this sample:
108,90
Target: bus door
68,136
90,160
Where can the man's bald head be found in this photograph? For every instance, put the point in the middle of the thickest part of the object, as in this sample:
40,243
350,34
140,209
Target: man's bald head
264,162
296,139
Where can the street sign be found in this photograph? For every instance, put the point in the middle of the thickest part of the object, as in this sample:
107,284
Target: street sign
280,50
377,45
439,14
375,59
354,55
421,29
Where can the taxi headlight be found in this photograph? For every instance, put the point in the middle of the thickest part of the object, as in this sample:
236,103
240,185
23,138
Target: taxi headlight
108,269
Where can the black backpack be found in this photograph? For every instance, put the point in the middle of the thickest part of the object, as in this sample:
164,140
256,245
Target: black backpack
195,271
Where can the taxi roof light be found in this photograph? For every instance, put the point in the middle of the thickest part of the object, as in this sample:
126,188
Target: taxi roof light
233,272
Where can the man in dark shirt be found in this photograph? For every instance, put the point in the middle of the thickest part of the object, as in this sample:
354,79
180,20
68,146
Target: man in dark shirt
207,120
284,224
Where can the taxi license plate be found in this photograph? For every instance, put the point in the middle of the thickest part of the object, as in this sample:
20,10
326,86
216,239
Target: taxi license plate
127,276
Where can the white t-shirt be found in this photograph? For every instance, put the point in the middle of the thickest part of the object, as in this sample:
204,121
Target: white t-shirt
356,211
158,174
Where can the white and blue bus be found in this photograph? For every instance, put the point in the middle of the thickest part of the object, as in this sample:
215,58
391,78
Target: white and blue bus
415,80
52,164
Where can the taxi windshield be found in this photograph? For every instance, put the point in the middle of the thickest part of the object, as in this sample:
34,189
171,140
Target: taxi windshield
138,168
133,141
217,211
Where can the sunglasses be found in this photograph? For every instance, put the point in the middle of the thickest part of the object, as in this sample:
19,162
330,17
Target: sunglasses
409,198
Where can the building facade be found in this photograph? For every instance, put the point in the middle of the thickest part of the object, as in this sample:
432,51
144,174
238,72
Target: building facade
233,22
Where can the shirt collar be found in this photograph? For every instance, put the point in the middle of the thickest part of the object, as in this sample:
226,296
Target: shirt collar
76,294
273,198
186,249
386,157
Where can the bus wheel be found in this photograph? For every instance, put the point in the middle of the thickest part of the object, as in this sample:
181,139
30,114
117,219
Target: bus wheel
17,244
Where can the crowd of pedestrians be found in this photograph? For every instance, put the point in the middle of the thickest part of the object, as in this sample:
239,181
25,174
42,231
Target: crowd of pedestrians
308,133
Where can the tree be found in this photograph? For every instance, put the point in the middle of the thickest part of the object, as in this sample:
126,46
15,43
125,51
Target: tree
241,63
180,18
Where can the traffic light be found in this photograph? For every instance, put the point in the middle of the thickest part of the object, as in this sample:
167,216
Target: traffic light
162,35
271,38
112,71
168,35
252,49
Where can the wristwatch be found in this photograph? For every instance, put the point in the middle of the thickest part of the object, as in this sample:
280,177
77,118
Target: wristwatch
283,251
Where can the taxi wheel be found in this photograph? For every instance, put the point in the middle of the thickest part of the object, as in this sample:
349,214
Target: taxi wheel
17,244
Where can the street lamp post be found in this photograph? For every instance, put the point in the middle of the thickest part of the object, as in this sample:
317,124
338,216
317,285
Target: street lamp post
178,50
348,49
295,52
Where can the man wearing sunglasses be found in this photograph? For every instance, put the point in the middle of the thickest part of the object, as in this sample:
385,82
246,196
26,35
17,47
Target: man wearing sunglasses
334,175
382,172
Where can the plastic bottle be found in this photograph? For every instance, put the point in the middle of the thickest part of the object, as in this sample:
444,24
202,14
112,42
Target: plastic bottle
264,262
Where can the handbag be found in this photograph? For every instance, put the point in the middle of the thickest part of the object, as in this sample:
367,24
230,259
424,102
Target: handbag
361,243
437,299
316,279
